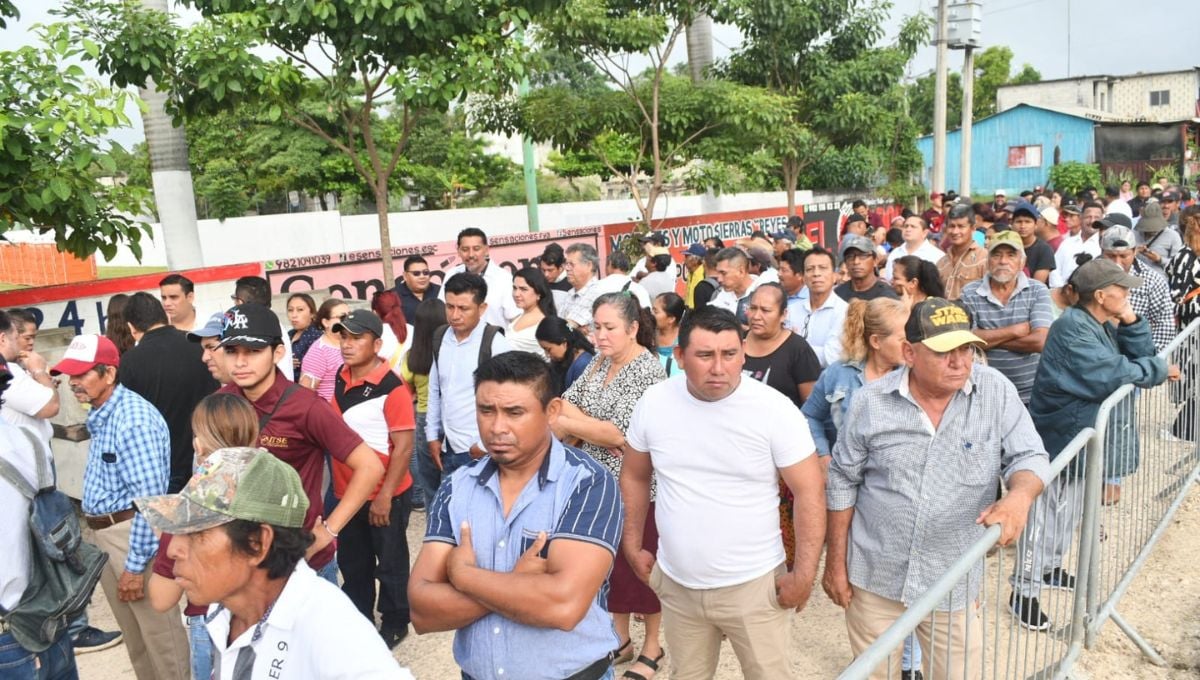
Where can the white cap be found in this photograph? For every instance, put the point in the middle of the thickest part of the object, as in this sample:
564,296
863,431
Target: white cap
1000,192
1050,214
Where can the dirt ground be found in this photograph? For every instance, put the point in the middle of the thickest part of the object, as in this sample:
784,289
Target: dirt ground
1163,605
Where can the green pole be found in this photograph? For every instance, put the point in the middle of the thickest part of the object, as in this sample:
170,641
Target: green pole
531,194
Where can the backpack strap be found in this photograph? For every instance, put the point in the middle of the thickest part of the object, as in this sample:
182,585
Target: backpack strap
439,334
15,478
485,347
262,421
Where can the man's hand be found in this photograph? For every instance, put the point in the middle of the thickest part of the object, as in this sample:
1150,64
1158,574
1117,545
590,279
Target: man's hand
836,584
321,538
476,452
435,452
792,591
1173,373
642,562
463,554
32,362
1010,513
379,513
131,587
531,561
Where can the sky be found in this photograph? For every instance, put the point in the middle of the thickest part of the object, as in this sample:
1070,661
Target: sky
1059,38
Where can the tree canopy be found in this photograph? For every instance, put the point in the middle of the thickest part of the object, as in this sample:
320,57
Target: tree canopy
993,69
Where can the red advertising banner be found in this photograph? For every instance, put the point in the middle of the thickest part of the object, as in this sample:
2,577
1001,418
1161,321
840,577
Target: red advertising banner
358,275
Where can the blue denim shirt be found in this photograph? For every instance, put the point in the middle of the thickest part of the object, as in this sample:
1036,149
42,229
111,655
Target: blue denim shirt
572,498
829,402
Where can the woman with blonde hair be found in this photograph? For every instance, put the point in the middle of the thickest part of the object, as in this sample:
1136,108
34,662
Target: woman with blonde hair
220,421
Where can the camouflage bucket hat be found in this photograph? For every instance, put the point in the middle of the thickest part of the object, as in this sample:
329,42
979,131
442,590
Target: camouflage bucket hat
235,483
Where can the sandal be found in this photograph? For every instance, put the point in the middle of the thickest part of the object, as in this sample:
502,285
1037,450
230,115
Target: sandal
652,664
624,653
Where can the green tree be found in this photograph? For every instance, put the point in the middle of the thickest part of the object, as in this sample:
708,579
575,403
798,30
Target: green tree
993,68
448,162
223,188
645,124
358,58
824,57
51,131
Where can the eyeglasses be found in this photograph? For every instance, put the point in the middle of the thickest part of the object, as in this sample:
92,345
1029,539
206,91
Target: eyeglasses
423,272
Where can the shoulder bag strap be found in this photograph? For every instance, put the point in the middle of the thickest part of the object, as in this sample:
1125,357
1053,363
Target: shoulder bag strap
262,422
9,473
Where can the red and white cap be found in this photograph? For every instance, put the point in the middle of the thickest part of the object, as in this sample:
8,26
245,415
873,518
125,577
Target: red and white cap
85,353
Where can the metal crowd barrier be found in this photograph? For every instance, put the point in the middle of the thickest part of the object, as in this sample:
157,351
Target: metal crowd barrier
1082,546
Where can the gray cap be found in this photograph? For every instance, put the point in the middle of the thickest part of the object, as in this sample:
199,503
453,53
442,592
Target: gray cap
1101,273
211,329
856,242
1117,239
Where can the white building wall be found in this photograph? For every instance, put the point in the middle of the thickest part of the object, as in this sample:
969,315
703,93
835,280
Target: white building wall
1123,96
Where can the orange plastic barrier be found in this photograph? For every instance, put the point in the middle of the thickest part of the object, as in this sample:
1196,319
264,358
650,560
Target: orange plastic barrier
41,264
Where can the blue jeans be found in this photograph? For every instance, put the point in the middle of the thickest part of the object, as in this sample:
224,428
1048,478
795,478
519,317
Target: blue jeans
18,663
201,646
452,460
911,660
329,572
426,476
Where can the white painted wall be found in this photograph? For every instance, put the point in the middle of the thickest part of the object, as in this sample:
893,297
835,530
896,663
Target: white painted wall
270,237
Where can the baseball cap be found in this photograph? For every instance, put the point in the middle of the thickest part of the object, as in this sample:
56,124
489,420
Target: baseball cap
654,237
235,483
358,322
85,353
856,242
250,325
1050,214
761,257
1000,192
696,250
659,250
211,328
1008,238
935,194
1152,220
1113,220
1117,239
1170,195
1071,207
940,325
786,234
1100,273
855,217
1027,208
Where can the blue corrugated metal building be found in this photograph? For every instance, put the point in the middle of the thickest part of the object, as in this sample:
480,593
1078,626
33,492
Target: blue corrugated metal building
1015,149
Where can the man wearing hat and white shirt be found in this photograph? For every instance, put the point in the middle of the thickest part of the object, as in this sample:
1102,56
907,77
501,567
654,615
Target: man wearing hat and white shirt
1086,358
1000,200
209,337
762,265
129,455
858,254
940,411
784,240
663,276
1157,243
238,542
648,241
1151,300
1070,246
1170,207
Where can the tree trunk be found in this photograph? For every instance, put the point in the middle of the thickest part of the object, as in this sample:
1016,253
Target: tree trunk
791,175
385,236
174,195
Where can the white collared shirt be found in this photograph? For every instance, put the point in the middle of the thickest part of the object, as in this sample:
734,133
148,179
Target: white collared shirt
927,251
1064,259
312,631
615,283
451,408
501,308
821,327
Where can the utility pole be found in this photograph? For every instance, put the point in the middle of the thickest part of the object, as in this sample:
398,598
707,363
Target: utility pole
964,138
699,46
939,104
529,164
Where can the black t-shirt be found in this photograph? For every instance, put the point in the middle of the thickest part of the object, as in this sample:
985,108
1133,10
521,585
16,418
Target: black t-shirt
1136,204
166,370
1038,256
879,290
703,294
785,368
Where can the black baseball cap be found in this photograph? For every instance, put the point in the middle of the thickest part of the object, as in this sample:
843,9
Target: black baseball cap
654,237
940,325
251,325
358,322
1114,220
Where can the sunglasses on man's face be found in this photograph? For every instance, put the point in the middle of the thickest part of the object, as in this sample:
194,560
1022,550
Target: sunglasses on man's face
418,272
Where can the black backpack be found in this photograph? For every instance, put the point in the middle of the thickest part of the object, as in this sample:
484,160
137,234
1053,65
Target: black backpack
485,347
63,569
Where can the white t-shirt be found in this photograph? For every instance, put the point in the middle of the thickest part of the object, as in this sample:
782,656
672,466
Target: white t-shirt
501,308
23,398
657,283
14,531
927,251
718,485
615,283
312,633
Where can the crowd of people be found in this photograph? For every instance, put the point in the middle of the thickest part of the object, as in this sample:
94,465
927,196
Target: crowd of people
592,442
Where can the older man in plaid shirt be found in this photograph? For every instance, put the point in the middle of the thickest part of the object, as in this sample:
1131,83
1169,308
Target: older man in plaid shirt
916,471
129,456
1150,301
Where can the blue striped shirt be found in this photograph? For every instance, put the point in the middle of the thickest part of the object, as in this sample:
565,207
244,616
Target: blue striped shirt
1029,302
129,457
572,497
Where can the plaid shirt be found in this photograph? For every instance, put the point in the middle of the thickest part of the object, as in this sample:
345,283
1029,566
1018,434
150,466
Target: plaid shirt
129,457
1152,302
916,491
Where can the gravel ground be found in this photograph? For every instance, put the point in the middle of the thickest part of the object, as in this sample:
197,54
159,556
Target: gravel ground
1163,604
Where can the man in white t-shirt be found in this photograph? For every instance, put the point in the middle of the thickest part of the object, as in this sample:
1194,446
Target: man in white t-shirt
617,279
916,242
720,568
238,542
31,399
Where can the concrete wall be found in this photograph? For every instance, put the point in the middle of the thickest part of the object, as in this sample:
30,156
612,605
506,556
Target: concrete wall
272,237
1122,96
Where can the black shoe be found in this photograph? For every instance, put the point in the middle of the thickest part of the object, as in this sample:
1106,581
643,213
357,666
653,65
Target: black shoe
913,674
92,639
1058,578
393,636
1028,612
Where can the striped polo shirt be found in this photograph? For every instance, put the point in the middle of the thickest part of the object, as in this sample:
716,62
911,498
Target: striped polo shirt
573,498
1029,302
